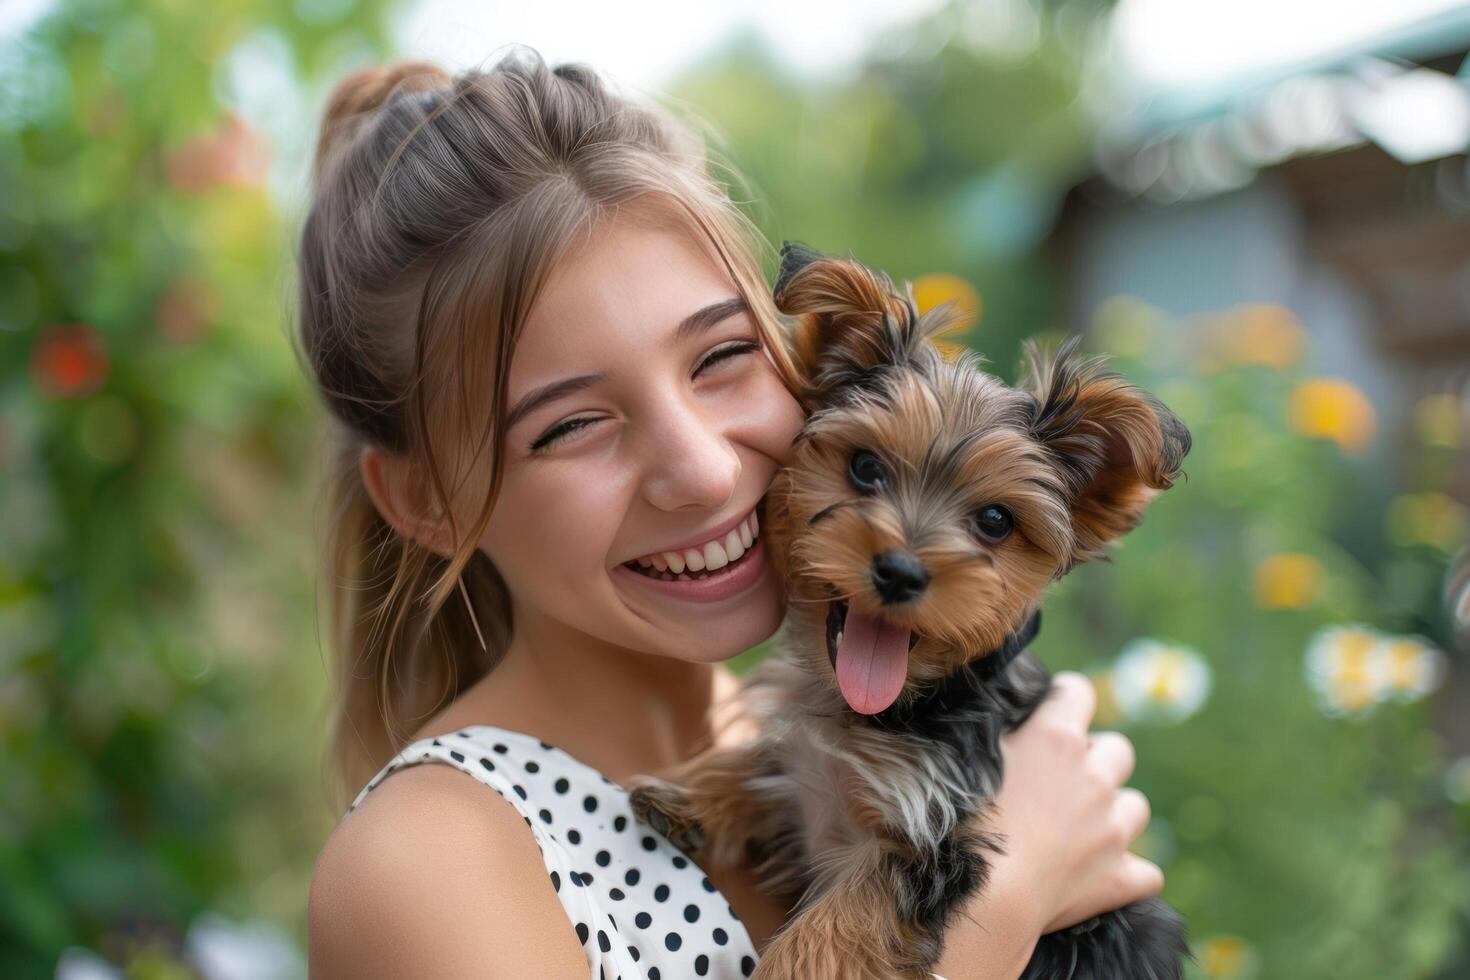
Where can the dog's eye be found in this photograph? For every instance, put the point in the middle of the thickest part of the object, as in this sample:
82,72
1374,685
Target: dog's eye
866,471
994,522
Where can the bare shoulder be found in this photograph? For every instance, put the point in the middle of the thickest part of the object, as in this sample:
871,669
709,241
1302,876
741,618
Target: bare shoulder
434,874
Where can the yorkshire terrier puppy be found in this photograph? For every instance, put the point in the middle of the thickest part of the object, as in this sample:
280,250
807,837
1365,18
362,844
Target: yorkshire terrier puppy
926,510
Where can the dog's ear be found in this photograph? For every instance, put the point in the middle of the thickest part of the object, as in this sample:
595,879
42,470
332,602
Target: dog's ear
849,318
1116,446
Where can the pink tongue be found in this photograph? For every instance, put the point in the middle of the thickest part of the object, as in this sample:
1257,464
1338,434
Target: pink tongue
872,661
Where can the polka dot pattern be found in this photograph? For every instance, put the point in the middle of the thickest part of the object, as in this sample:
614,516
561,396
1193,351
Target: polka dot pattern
674,923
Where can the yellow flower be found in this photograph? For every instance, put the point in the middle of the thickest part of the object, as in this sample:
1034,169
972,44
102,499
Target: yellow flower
1440,420
1431,518
1288,581
1227,958
1330,408
938,288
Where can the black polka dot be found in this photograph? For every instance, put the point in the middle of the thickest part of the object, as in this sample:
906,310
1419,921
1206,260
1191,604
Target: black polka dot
616,894
661,893
612,920
603,943
582,931
747,966
555,881
603,859
709,886
532,767
649,843
631,878
653,973
544,745
701,964
561,784
721,937
691,913
545,815
456,756
501,748
589,803
619,822
436,741
633,952
489,766
520,790
574,835
673,941
679,861
586,877
642,920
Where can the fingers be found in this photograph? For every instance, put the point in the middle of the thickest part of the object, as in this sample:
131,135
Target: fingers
1071,700
1112,753
1139,878
1131,813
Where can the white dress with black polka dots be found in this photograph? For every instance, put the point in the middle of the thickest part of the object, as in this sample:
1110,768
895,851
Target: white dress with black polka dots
642,909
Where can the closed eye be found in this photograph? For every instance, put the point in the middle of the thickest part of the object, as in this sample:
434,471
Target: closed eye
560,431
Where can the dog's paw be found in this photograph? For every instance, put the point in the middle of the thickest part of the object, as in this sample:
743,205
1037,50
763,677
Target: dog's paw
665,808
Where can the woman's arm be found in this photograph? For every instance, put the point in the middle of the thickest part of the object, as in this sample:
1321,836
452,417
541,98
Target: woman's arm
434,876
1067,822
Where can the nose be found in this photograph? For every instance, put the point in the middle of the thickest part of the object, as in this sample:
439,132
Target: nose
693,462
898,577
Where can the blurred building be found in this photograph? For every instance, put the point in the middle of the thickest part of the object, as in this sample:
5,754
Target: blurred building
1338,188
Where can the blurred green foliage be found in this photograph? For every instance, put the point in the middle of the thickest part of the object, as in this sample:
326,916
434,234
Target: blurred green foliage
163,696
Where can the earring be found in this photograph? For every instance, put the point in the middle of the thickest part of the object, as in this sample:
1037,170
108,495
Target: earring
474,621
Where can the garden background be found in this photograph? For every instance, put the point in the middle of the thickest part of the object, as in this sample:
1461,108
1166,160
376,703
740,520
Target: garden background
1284,638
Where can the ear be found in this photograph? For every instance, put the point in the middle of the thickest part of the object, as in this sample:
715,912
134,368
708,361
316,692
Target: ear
403,500
850,319
1116,446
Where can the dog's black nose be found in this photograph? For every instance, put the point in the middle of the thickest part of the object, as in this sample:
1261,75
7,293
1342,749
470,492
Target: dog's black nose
899,576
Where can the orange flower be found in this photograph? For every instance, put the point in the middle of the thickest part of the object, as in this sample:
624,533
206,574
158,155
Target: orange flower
68,361
1331,408
1267,334
938,288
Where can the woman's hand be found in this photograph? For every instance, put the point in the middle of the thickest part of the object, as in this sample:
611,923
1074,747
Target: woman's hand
1068,821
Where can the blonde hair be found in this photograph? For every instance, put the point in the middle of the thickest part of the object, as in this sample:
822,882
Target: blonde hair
441,203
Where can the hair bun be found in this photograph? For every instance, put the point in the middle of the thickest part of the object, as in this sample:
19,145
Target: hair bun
362,92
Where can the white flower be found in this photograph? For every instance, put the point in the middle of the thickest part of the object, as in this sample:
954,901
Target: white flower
1341,670
224,950
1353,667
1158,681
1411,666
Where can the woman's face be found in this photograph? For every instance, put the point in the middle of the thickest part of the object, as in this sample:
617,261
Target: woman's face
646,424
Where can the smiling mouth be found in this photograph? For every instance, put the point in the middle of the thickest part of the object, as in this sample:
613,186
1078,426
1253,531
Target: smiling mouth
718,557
836,617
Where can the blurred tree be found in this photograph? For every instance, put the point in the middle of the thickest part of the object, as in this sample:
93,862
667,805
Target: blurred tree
161,709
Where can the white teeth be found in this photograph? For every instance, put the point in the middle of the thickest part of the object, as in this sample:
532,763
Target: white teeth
711,556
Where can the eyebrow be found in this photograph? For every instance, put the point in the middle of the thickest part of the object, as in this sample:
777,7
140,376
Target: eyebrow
693,324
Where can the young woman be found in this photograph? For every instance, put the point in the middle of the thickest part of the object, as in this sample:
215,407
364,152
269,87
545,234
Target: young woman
544,336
